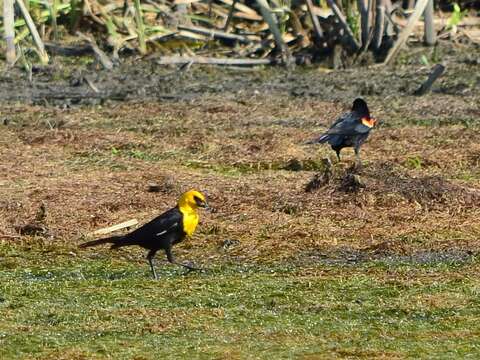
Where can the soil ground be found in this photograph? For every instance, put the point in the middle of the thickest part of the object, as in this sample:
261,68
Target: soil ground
239,136
88,158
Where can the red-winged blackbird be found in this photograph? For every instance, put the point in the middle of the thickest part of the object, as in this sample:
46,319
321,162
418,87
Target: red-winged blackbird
350,130
164,231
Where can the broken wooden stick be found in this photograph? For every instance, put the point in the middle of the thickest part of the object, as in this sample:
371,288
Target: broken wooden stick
176,60
277,35
9,29
240,7
316,24
364,7
140,28
113,228
90,84
430,37
379,24
33,31
402,38
99,54
344,23
230,15
6,236
216,34
436,72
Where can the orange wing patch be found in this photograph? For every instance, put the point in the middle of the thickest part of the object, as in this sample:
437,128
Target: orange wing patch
370,122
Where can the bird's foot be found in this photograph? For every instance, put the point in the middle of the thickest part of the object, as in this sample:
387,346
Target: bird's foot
191,268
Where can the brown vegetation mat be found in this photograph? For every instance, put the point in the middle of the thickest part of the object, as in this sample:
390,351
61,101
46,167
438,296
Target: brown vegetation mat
91,167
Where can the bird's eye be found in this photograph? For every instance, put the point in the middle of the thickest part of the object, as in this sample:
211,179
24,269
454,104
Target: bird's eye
198,201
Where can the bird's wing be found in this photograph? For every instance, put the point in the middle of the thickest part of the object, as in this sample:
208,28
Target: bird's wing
336,128
344,117
167,222
348,124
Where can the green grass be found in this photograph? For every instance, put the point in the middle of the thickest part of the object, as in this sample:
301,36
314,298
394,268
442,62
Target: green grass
54,304
239,169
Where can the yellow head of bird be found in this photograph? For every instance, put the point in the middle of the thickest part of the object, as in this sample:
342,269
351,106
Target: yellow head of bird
192,199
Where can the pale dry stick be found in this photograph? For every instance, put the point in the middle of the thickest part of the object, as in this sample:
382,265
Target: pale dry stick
100,55
436,72
6,236
241,7
90,84
9,28
33,31
299,32
140,28
272,25
391,26
391,29
430,38
216,34
316,24
170,60
371,17
116,227
379,24
217,10
364,10
230,15
370,32
91,14
402,39
343,22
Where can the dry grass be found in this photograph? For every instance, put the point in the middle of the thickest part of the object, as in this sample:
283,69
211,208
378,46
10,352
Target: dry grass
91,168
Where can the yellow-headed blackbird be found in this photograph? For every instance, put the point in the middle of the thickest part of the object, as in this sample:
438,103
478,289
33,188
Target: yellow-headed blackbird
350,130
164,231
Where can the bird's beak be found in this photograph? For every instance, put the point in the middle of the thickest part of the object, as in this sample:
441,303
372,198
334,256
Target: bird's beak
208,208
201,203
204,205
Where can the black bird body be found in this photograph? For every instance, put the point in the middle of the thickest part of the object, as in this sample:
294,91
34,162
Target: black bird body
162,232
350,130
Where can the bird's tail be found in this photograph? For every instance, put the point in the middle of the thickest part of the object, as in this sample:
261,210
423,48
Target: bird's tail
116,241
320,140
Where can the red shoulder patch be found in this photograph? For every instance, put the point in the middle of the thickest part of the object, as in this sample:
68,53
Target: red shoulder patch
370,122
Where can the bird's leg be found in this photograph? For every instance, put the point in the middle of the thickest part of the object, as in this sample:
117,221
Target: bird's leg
172,260
338,155
358,161
150,257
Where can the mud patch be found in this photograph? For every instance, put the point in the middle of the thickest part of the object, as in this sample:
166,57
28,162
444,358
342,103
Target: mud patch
62,85
353,257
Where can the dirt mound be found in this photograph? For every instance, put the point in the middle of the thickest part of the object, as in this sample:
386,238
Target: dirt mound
387,179
425,190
